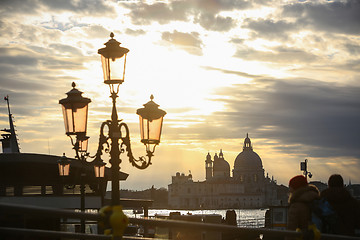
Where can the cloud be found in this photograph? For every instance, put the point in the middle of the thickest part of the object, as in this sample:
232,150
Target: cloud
237,41
269,28
96,31
189,42
30,76
280,54
352,49
143,13
216,6
242,74
321,116
18,59
28,34
95,8
48,44
31,7
7,29
11,7
35,34
33,61
330,16
137,32
215,23
303,116
63,49
203,12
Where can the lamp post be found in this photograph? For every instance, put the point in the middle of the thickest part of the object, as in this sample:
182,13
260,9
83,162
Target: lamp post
114,135
303,167
99,168
64,166
75,112
113,59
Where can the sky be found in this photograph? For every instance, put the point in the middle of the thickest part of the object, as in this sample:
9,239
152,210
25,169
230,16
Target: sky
285,72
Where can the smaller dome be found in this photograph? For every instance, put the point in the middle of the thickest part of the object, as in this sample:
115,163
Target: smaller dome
220,164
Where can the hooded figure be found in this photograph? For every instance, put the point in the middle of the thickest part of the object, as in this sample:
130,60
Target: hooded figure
301,196
346,207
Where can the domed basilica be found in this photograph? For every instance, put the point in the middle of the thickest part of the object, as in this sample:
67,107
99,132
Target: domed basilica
246,188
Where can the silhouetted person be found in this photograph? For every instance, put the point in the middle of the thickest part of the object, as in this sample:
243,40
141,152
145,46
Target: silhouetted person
301,196
268,219
230,218
346,207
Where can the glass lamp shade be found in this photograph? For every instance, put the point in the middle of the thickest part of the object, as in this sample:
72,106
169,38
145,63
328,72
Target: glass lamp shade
64,166
151,119
113,60
75,112
83,143
99,167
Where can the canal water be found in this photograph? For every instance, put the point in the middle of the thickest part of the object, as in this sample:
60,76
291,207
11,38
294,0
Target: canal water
245,217
249,218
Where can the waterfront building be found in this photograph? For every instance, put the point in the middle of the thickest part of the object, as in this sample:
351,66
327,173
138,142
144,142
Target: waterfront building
246,188
33,179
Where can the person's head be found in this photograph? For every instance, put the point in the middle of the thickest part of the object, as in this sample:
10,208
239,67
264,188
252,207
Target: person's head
297,182
335,180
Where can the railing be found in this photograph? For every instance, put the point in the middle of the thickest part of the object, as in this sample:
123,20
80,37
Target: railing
251,222
238,232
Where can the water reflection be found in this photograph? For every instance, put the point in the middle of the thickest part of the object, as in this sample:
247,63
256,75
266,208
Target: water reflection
245,217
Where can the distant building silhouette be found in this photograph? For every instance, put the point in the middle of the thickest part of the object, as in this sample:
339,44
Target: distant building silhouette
247,188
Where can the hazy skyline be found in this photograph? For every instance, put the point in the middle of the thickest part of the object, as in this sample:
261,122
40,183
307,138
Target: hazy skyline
286,72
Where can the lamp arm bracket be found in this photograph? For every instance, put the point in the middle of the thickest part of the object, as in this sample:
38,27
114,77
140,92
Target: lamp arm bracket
140,163
75,143
103,140
72,140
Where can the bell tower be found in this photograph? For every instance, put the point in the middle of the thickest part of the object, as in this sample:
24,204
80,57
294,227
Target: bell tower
208,167
247,144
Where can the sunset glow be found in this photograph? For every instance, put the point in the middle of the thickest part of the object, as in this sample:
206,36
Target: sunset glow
285,72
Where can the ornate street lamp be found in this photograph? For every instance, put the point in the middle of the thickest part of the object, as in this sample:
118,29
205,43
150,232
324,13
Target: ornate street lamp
75,113
64,166
150,118
99,167
99,170
113,58
83,144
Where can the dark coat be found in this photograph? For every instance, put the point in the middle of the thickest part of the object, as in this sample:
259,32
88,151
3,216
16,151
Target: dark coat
346,207
299,214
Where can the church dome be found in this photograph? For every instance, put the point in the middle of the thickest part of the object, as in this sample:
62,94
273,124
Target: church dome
247,159
221,165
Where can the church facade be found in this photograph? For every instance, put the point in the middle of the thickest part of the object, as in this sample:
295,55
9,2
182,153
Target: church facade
246,188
